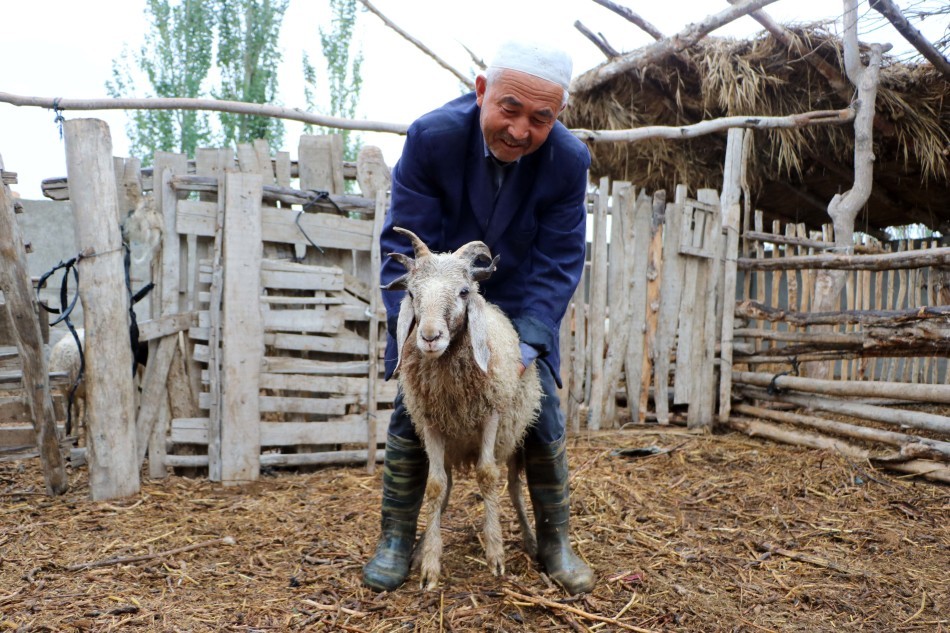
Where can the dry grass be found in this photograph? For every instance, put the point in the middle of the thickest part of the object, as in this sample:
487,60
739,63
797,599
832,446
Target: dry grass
713,533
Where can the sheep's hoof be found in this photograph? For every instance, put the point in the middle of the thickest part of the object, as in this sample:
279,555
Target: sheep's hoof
429,577
497,568
429,582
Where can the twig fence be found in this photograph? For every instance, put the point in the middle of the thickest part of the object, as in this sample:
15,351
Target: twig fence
266,327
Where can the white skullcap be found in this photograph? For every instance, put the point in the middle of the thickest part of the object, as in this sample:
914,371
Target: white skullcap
540,60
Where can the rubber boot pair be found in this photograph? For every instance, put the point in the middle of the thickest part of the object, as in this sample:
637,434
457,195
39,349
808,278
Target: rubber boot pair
404,480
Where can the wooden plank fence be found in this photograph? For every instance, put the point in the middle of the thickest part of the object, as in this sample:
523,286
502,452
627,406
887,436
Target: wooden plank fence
267,329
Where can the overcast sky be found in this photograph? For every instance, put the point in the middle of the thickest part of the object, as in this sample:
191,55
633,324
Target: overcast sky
64,48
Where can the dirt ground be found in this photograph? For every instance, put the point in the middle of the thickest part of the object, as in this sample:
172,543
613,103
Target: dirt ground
688,533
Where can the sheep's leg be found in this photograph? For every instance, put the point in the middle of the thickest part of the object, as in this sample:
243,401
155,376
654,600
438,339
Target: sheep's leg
436,489
417,552
515,491
486,473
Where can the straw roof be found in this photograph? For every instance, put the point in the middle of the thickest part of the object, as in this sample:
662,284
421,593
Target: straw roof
793,173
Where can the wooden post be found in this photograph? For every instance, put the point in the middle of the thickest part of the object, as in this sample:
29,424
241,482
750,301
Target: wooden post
640,237
703,389
731,190
654,280
113,469
372,431
667,318
22,308
598,305
242,330
579,355
623,251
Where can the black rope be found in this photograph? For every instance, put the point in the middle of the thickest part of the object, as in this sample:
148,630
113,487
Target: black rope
773,389
65,311
59,119
67,305
315,196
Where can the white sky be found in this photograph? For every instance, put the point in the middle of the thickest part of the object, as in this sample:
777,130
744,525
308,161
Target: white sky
64,48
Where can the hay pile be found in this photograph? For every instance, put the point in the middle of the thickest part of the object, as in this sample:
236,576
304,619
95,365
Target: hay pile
794,173
686,533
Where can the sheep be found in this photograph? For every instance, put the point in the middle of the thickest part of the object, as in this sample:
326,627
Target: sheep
64,357
463,388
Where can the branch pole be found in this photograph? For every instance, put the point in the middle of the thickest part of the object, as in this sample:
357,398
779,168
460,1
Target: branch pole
215,105
422,47
805,119
756,428
921,258
892,12
667,46
848,388
632,17
844,208
914,445
898,417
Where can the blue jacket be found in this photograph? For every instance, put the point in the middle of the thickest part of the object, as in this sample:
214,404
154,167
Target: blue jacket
442,191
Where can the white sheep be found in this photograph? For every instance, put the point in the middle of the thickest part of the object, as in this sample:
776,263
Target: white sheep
463,388
64,358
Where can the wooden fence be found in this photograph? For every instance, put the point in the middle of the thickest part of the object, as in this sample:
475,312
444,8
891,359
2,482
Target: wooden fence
266,327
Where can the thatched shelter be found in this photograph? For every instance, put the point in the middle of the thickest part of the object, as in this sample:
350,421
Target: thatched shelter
793,173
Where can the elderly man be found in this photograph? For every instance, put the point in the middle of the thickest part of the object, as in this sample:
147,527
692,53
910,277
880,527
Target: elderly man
495,166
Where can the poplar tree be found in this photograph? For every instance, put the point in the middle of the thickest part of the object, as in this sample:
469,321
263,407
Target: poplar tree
175,59
248,59
183,39
343,72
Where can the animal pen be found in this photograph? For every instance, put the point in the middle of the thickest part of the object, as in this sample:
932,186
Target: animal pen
699,307
266,326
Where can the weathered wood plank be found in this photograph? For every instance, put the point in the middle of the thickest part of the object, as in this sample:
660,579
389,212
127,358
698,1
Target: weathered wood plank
241,324
163,326
350,429
325,321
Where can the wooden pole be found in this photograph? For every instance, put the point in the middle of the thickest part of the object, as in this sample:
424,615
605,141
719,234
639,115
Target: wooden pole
857,389
910,444
113,468
672,274
374,324
755,428
598,306
731,210
914,419
22,308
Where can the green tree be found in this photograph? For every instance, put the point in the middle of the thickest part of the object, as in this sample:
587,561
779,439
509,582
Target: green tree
175,59
343,71
248,58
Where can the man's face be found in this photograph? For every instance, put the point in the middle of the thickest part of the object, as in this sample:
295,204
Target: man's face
518,111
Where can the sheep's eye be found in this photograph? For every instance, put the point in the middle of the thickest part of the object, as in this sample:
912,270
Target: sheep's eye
409,292
463,293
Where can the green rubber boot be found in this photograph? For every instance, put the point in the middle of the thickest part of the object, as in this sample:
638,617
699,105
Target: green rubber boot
546,470
404,485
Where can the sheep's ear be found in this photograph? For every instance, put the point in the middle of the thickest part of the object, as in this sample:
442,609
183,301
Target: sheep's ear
478,331
481,274
407,317
399,283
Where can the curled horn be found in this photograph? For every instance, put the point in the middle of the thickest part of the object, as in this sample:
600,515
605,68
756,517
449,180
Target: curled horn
399,283
474,251
418,245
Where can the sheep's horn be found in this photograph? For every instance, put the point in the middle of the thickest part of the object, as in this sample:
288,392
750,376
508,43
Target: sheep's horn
407,262
399,283
418,245
472,252
481,274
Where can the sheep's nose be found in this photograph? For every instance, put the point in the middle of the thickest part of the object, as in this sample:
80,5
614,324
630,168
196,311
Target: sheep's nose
430,337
